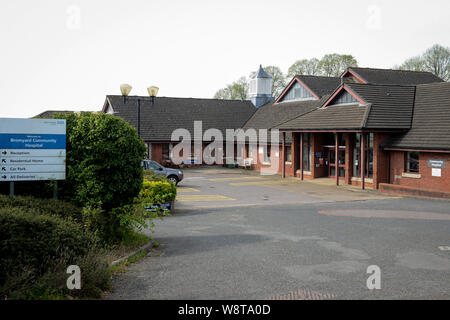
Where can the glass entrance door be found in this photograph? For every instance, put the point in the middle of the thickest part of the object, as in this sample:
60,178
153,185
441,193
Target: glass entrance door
332,162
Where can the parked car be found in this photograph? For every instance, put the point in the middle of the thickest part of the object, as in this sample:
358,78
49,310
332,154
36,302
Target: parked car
173,175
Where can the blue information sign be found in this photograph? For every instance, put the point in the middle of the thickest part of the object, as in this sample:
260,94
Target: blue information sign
32,149
32,141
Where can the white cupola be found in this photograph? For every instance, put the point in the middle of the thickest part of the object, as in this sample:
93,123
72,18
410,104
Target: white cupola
260,89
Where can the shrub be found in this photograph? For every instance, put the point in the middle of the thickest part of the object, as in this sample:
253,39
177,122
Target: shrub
42,206
104,173
150,175
35,240
36,249
104,155
157,192
95,278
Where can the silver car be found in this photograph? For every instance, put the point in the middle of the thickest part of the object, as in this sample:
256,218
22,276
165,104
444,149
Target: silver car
173,175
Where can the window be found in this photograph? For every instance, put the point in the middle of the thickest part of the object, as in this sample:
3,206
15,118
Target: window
368,156
267,154
154,166
344,98
307,151
297,92
165,151
288,153
412,162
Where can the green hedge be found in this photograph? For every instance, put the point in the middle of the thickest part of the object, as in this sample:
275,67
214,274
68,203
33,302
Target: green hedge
35,251
36,241
42,206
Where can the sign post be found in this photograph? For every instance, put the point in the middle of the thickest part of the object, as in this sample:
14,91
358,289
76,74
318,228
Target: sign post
32,150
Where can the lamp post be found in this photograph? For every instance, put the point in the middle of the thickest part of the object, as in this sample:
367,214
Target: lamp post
125,89
152,92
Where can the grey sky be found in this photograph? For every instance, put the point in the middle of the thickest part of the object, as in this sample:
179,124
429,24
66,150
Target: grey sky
53,58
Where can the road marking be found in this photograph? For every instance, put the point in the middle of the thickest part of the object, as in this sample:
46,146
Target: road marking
444,248
251,183
237,178
389,214
186,189
203,197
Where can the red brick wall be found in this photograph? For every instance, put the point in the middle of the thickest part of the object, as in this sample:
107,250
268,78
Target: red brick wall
426,180
258,164
410,191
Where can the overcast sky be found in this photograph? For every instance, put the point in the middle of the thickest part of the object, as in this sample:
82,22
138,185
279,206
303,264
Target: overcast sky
68,55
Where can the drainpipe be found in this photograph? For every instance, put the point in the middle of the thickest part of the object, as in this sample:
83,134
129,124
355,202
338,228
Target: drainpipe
389,167
336,156
283,164
363,148
301,155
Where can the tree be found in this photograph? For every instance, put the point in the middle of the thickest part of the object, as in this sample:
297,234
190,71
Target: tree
278,79
413,64
238,90
304,66
333,64
435,60
223,93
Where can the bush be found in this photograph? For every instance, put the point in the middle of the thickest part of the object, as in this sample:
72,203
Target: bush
43,206
35,251
150,175
104,173
35,241
157,192
104,155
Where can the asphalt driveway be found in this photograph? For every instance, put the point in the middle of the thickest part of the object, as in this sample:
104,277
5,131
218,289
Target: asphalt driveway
291,240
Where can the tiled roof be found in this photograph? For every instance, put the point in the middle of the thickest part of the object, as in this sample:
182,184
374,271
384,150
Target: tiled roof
400,77
431,120
320,85
388,107
272,114
158,121
334,117
392,105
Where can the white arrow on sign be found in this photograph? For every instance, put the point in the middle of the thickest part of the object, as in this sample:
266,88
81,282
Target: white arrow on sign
11,161
32,168
32,176
32,153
